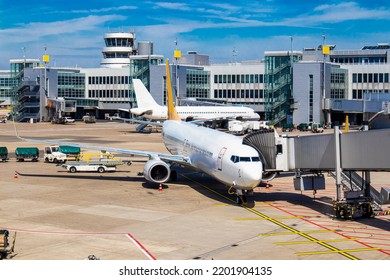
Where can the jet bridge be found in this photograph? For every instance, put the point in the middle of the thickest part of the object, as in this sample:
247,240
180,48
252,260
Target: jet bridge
342,155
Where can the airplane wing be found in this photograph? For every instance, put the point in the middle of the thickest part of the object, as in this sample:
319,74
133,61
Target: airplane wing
165,157
138,121
157,123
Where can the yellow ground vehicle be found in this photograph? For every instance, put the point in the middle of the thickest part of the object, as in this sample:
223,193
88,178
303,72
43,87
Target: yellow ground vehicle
93,162
5,248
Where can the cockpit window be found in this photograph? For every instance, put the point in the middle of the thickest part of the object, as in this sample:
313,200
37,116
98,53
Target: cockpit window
236,159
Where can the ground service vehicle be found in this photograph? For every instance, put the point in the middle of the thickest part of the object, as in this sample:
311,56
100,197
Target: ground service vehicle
317,128
52,154
3,153
4,244
23,153
237,127
88,167
113,117
89,119
71,152
69,120
264,125
95,162
60,153
303,127
288,127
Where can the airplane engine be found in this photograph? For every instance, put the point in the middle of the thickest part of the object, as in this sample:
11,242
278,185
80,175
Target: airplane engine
157,171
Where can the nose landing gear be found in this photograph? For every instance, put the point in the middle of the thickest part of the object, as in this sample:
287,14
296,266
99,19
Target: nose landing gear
245,198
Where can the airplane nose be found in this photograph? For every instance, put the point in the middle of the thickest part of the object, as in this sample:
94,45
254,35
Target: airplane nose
252,176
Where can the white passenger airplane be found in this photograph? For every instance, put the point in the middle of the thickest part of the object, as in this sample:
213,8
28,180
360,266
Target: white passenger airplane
149,109
222,156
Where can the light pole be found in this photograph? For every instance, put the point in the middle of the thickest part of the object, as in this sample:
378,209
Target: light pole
325,51
24,57
176,55
46,60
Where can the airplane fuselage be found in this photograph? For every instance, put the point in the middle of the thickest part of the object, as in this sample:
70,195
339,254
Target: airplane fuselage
150,109
198,112
221,155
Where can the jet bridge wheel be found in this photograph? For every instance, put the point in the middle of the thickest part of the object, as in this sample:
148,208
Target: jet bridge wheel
351,210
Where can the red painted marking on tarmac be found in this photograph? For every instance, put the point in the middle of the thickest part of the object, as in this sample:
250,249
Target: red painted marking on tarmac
135,241
140,246
378,244
320,226
367,233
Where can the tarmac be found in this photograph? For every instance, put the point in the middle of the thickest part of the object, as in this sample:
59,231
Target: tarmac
58,215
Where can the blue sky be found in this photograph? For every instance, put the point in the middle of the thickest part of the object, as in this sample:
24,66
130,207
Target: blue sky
73,31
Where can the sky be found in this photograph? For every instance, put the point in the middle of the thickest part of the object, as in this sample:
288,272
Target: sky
72,31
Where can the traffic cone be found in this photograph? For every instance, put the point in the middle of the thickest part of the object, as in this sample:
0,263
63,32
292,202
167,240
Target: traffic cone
16,175
160,188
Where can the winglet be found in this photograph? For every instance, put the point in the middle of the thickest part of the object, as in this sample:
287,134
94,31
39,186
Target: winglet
172,113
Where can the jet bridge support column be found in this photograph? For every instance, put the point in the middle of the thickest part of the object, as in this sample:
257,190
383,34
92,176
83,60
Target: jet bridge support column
354,204
338,160
367,190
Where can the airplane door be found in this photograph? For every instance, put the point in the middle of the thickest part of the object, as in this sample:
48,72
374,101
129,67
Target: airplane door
220,157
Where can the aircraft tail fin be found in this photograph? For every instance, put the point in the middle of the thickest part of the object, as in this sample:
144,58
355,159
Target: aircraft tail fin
144,98
172,113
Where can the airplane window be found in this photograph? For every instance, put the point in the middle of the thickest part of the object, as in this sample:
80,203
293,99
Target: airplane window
246,159
255,159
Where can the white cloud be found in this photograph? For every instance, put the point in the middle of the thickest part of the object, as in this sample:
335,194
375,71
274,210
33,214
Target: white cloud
70,42
172,6
341,12
103,10
37,30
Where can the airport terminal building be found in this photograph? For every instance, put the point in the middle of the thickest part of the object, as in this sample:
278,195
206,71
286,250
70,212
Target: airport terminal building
313,85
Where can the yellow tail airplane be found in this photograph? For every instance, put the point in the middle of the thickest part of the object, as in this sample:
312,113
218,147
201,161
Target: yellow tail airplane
222,156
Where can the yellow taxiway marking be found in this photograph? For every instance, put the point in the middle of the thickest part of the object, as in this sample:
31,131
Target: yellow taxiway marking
310,242
337,251
258,219
276,222
289,232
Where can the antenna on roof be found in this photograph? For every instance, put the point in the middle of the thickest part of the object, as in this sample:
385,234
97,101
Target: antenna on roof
234,54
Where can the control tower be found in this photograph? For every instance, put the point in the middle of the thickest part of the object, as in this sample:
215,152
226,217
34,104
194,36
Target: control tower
119,47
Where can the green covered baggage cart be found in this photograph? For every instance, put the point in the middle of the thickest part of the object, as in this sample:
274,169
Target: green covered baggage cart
71,152
23,153
3,153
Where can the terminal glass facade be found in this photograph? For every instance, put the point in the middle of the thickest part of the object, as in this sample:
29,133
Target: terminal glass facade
17,67
198,83
71,84
7,85
278,89
338,83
